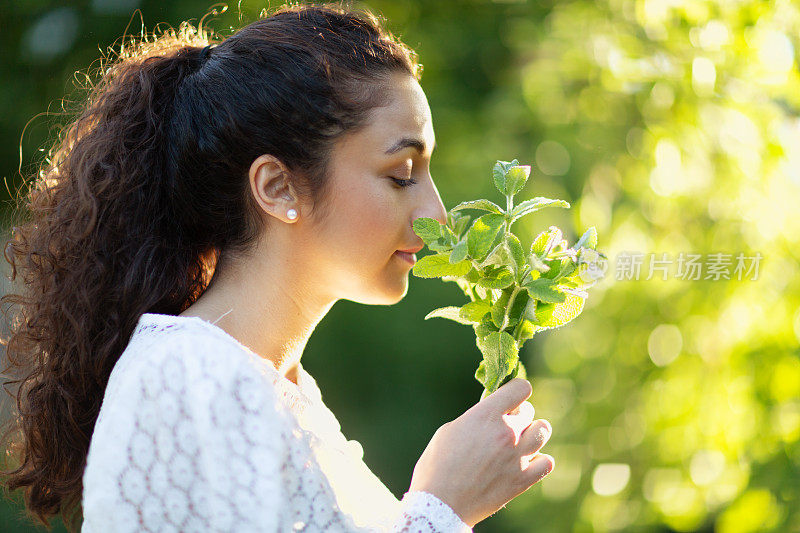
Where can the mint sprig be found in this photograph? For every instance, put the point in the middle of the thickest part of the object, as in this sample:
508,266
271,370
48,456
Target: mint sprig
513,293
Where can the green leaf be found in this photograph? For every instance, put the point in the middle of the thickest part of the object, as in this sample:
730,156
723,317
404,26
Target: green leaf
545,290
559,249
518,372
498,279
438,265
449,236
480,373
482,204
500,255
459,252
553,315
531,275
516,178
579,292
535,204
572,282
429,229
473,275
450,313
500,237
554,240
556,266
547,241
527,330
452,218
517,310
540,242
475,311
482,234
588,239
445,242
499,174
485,327
441,245
459,223
499,309
567,268
500,356
536,262
516,251
530,310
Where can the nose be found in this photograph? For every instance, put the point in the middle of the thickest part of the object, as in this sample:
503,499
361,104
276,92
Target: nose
433,206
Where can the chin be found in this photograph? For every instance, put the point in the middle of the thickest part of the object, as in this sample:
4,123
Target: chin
398,297
389,296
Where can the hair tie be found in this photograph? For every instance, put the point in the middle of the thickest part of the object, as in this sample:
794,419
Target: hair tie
204,52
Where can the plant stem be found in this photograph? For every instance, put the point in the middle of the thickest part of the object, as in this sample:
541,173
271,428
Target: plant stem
472,292
517,287
509,305
509,207
518,330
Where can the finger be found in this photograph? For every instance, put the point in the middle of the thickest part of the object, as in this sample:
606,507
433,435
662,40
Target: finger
534,437
541,465
508,396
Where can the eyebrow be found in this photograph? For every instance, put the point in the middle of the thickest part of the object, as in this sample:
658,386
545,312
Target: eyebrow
406,142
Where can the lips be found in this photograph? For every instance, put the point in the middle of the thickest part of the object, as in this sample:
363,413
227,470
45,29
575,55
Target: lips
412,250
405,256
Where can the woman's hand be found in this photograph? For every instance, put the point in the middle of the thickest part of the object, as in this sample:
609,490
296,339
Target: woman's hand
487,456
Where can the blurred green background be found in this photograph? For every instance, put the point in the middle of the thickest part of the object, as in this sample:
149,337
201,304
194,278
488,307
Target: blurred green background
670,125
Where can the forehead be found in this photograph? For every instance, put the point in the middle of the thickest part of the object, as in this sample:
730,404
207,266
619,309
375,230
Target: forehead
406,115
408,106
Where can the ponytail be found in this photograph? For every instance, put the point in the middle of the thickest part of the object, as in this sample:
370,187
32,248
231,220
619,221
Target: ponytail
143,193
98,251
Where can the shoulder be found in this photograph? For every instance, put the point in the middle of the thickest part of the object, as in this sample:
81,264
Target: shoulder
162,340
184,408
190,359
191,387
162,336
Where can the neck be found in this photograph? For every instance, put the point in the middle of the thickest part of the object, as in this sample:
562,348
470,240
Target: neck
264,303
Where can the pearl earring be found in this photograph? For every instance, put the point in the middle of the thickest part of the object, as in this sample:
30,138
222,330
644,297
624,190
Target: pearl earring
292,214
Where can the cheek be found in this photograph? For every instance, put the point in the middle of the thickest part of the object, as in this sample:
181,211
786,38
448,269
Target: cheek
366,222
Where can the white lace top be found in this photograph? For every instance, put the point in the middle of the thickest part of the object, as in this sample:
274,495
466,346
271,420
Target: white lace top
198,433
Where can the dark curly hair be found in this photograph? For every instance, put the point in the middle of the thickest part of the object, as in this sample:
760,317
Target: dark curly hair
140,195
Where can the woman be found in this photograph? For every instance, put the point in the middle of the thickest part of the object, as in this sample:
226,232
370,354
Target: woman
204,212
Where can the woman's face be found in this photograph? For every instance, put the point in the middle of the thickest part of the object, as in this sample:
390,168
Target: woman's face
369,214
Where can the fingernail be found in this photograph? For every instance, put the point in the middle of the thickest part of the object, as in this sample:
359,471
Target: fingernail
546,428
544,464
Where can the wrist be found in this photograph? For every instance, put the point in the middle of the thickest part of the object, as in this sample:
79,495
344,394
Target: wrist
456,518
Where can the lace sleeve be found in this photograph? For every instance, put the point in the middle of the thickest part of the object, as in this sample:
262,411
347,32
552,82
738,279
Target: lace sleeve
423,512
186,445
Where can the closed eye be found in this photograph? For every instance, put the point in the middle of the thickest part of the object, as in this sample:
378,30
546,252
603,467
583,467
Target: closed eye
403,183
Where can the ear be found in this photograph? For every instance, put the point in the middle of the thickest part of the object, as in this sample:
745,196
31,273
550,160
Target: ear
272,189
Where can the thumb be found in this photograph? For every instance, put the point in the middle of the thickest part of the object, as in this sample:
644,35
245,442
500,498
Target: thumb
508,397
